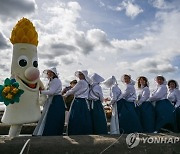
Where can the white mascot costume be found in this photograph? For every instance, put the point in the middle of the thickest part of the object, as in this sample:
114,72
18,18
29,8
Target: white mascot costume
24,70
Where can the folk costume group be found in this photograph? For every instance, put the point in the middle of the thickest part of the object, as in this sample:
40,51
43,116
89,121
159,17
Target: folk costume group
132,111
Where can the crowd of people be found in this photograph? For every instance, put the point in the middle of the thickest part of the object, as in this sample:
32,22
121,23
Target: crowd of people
131,111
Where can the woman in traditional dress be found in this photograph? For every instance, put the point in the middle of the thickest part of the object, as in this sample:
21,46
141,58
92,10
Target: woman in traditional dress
129,120
53,115
115,93
145,108
164,110
96,99
174,98
80,119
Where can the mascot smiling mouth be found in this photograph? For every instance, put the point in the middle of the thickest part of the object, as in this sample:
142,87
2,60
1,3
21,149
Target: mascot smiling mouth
30,85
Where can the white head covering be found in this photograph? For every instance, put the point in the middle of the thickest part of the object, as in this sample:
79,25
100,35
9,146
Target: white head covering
165,82
52,69
110,82
131,81
172,80
85,73
96,78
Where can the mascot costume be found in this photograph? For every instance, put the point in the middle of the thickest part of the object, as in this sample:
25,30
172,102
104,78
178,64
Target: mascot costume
24,71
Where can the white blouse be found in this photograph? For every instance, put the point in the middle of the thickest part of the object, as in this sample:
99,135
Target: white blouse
80,90
143,95
174,96
115,94
130,93
54,87
95,92
159,94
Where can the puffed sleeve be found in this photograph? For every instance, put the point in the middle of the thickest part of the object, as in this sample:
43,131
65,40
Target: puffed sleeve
145,95
126,92
54,85
73,90
159,94
177,98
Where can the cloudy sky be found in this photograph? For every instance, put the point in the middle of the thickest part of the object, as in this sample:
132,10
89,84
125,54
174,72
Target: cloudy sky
110,37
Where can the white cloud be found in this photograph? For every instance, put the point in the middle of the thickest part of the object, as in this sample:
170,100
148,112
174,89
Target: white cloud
154,65
10,9
3,42
63,44
158,3
51,63
67,60
74,6
101,58
132,9
134,44
162,4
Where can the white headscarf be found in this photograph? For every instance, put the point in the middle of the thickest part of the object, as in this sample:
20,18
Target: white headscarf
52,69
96,78
131,81
110,82
85,73
164,82
177,85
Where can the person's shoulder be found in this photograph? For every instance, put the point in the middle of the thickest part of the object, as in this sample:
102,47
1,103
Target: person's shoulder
115,87
97,86
177,91
146,88
56,80
163,86
83,82
130,86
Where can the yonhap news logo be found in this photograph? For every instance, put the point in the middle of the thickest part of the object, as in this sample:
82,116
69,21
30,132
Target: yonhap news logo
133,140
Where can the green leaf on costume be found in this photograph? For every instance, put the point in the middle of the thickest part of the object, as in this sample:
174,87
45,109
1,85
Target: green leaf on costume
6,102
1,88
16,99
7,82
1,99
15,84
13,80
20,92
12,102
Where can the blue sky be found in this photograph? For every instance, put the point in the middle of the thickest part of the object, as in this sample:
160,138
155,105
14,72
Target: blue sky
109,37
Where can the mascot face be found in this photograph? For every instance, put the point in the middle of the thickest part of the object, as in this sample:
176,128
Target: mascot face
24,61
25,64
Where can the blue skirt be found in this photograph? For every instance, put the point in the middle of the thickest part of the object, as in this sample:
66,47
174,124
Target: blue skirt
165,115
80,119
98,117
54,124
128,118
178,118
146,115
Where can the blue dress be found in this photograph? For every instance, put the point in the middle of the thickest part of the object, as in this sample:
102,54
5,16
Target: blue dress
80,119
128,118
178,119
146,114
52,120
165,115
99,122
55,117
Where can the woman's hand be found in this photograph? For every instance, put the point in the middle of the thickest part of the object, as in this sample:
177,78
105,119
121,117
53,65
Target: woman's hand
107,99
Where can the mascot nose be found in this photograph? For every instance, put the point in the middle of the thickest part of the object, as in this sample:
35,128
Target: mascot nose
32,73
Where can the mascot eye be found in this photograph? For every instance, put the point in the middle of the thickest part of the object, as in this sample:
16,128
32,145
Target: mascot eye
35,64
22,61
